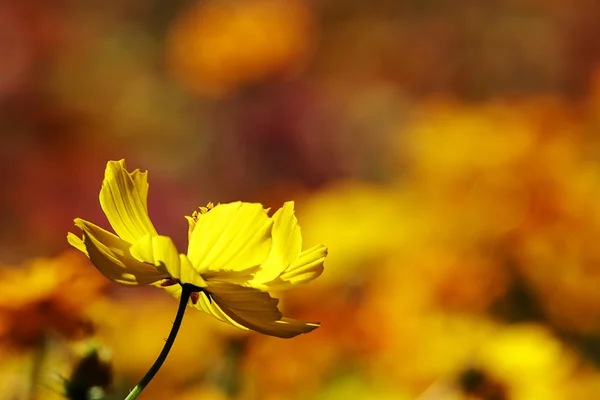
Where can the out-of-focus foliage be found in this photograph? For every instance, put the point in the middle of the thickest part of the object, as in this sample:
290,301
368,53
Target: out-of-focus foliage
447,153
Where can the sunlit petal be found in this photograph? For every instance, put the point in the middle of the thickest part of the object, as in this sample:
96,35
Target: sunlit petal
287,243
230,237
111,256
191,224
308,266
241,277
77,242
123,199
256,310
212,308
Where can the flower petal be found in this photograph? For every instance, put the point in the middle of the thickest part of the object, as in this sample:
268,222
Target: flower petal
230,237
111,256
256,310
308,266
161,252
241,277
211,308
77,242
246,308
287,243
123,199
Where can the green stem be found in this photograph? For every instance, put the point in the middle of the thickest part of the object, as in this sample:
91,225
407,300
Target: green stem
185,296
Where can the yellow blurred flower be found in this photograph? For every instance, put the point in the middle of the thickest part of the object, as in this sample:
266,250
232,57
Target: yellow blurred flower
412,237
357,386
236,252
204,393
466,162
360,222
434,344
148,317
54,300
278,369
475,356
217,46
524,362
13,369
450,142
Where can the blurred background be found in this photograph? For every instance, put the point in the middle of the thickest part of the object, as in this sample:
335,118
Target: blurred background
447,154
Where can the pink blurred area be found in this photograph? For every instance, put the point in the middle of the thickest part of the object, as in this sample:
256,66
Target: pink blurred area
447,153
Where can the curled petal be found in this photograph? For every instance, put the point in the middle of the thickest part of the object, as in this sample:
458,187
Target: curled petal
231,237
191,224
77,242
308,266
252,309
111,256
287,243
123,199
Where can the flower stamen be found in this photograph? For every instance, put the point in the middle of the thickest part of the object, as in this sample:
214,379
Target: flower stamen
202,210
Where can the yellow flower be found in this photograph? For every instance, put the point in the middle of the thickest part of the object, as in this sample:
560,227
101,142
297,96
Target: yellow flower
236,253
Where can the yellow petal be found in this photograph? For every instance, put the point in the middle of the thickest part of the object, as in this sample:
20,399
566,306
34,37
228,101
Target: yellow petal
191,224
230,237
246,308
211,308
241,277
287,243
161,252
195,215
189,273
123,199
308,266
255,310
233,294
77,242
173,290
111,256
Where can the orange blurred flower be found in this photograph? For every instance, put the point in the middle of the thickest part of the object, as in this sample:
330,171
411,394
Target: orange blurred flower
557,249
217,46
48,295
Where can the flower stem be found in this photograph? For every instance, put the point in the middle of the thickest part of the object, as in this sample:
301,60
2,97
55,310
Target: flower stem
185,296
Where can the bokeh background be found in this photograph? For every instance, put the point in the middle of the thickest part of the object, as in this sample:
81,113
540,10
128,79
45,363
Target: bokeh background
447,153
